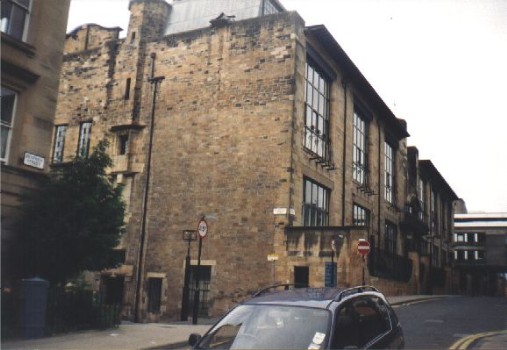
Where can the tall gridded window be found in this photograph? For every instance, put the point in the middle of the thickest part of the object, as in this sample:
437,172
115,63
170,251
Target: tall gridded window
315,204
84,139
359,163
59,144
361,216
8,102
15,15
390,238
317,112
420,193
389,173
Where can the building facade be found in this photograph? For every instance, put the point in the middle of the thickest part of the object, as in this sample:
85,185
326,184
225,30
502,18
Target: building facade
33,35
259,125
480,253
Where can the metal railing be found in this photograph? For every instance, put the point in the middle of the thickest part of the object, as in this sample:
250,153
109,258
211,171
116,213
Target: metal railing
390,266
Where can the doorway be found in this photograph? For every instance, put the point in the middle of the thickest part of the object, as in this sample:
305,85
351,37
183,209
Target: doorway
301,276
112,289
204,286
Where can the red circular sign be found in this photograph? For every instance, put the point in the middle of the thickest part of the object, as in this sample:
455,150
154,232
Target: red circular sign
363,247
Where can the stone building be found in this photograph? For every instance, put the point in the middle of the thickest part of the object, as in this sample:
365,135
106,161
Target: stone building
237,113
428,223
33,35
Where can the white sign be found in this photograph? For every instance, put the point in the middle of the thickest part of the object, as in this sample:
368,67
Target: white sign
202,228
33,161
280,211
272,257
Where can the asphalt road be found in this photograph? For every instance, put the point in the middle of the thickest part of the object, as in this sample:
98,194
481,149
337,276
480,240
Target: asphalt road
439,323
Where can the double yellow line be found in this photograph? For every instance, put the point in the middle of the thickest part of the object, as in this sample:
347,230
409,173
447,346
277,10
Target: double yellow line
465,342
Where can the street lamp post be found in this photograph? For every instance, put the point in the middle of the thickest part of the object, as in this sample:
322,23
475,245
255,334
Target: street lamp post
189,236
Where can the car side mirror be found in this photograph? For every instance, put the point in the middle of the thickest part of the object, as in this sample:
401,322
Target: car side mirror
193,339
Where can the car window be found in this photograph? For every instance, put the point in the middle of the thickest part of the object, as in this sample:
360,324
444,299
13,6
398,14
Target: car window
359,321
270,327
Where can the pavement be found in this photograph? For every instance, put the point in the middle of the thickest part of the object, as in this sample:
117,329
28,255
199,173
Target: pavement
144,336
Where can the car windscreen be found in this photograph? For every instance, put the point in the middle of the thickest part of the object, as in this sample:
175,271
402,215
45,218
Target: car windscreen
269,327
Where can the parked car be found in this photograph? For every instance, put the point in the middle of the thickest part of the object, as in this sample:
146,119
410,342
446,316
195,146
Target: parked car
307,318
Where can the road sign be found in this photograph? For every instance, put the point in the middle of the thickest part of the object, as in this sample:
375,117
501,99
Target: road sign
202,228
363,247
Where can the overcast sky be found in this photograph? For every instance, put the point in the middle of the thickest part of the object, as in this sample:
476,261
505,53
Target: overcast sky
439,64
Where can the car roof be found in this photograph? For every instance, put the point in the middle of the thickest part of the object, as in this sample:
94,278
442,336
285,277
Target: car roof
308,297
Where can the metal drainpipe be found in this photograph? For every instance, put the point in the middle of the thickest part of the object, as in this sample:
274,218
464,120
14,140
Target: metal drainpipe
344,172
140,265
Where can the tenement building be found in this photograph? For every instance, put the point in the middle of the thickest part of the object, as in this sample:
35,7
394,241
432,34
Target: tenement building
236,114
33,35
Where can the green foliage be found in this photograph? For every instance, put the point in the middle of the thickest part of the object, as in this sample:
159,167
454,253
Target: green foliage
73,222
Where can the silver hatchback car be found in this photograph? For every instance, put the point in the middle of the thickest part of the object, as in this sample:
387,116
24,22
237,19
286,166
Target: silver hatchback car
307,318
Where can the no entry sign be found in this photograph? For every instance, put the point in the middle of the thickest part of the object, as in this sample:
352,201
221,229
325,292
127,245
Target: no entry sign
363,247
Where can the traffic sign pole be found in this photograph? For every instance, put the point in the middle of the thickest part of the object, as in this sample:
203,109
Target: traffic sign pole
202,229
363,248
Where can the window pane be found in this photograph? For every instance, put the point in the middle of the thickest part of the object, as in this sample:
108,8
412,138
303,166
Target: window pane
7,100
17,23
5,137
84,139
59,143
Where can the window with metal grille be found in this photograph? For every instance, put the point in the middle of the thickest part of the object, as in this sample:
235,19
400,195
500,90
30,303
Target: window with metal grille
59,144
389,173
315,204
316,112
8,101
84,139
361,216
15,14
359,165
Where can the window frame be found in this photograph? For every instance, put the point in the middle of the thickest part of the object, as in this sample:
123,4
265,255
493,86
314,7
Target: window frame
59,139
21,32
360,147
7,124
315,213
317,110
84,138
